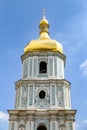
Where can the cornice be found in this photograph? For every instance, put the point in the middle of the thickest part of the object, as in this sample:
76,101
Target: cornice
43,53
68,115
45,81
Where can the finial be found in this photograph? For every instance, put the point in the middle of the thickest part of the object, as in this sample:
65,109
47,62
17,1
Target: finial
44,13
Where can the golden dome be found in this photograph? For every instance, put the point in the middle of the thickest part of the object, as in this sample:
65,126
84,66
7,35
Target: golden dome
44,42
44,21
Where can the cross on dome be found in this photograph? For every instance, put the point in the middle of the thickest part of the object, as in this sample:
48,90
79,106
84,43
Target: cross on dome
44,13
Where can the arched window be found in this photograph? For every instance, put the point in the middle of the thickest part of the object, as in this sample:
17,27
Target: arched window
21,127
43,67
41,128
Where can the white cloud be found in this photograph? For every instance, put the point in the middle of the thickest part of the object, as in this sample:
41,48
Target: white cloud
82,125
85,121
3,116
77,125
83,67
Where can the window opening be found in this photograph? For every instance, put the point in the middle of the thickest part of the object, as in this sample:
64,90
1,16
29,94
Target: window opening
41,128
43,67
42,94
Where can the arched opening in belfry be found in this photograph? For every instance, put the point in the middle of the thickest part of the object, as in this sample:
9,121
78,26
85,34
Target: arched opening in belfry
21,127
42,127
43,67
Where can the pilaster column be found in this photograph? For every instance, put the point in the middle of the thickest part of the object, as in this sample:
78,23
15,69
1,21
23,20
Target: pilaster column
20,96
16,125
9,125
27,125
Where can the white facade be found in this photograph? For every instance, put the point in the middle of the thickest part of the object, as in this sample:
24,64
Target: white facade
42,95
55,67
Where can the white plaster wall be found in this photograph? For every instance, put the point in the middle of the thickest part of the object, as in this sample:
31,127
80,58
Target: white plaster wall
55,67
16,125
53,91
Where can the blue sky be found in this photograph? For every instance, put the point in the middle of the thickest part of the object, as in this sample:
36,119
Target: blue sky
19,22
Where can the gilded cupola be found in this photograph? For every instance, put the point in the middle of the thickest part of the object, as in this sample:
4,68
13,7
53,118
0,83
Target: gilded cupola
44,42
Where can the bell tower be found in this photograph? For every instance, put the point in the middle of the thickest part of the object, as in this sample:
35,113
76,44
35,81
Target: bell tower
43,100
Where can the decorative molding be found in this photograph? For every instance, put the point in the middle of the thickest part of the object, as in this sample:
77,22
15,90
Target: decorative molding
13,118
41,103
